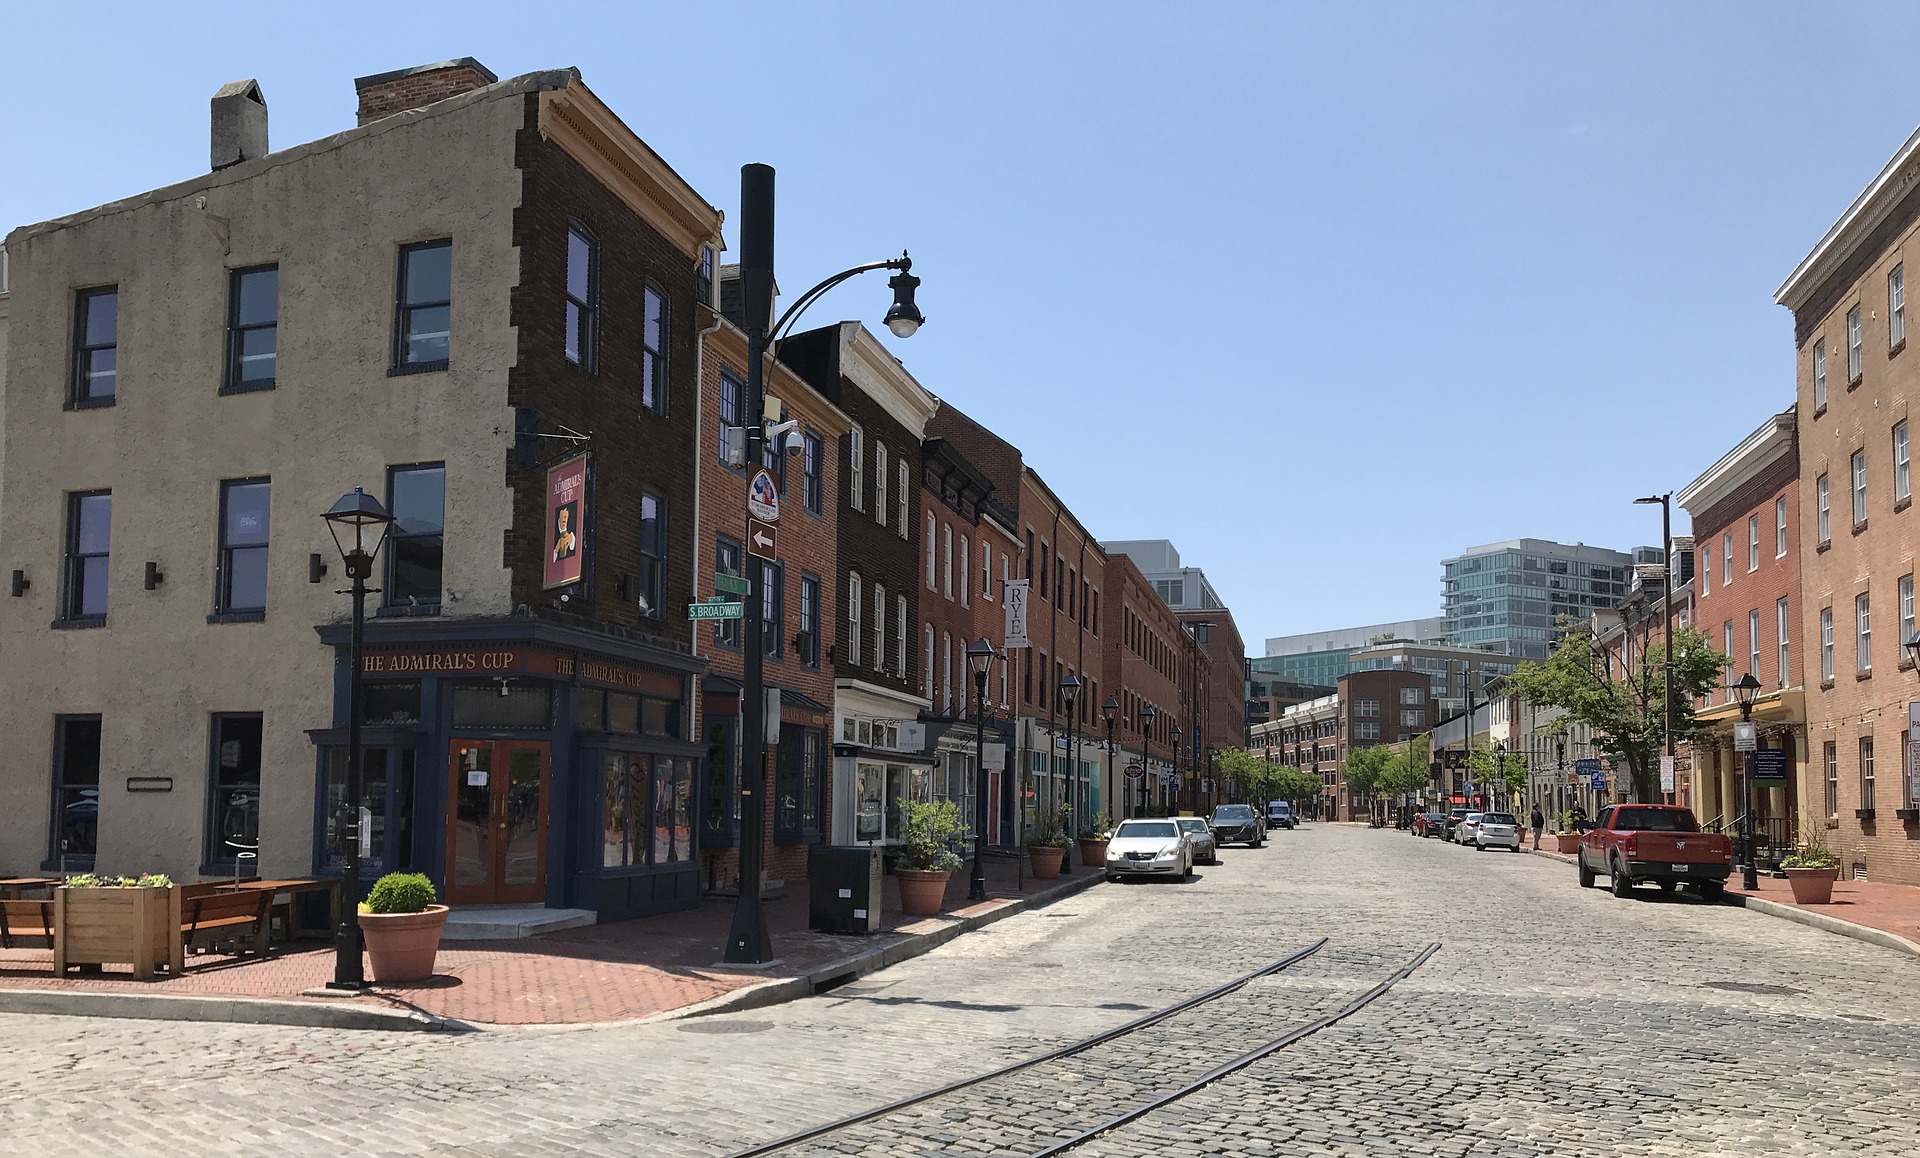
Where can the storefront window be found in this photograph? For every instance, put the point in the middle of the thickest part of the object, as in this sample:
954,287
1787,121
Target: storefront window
720,810
373,803
234,815
869,791
648,817
796,791
391,703
590,709
502,705
672,826
77,788
623,713
660,717
626,781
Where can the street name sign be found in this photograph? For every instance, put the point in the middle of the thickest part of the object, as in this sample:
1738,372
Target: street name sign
763,541
1588,768
714,610
733,584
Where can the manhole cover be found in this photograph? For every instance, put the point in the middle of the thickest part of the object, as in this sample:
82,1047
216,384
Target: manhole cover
704,1026
1755,987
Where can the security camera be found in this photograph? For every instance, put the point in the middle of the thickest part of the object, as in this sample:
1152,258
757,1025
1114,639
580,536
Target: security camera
782,429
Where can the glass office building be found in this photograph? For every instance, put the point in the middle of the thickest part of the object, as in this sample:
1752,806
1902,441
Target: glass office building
1517,596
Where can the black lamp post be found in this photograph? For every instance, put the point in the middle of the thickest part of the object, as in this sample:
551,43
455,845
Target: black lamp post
359,526
1175,733
1499,784
1744,691
1110,712
1666,601
980,658
1913,648
1069,694
1146,755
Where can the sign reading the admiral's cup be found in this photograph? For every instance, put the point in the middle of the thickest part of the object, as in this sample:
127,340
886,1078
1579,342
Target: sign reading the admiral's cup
1013,593
566,542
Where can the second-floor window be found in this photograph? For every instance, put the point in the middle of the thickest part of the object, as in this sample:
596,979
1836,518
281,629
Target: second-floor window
583,297
1863,632
423,318
89,531
773,608
1906,609
966,569
726,561
417,496
1866,773
652,596
1783,629
253,329
96,346
1830,760
1826,645
812,466
879,627
1753,642
653,349
1706,569
854,602
244,523
1822,509
1853,344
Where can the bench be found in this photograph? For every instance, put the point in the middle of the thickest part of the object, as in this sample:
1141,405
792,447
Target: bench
217,909
26,919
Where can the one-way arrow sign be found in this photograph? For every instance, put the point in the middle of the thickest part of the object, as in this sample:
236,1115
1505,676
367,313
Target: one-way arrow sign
763,541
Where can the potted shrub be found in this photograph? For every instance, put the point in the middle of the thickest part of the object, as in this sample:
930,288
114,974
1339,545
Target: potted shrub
927,859
1047,842
1093,843
1811,870
101,920
402,925
1566,838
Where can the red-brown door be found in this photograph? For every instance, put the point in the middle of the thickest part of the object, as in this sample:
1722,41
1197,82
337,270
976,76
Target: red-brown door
496,822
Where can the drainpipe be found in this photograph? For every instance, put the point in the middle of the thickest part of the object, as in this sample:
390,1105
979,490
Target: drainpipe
699,377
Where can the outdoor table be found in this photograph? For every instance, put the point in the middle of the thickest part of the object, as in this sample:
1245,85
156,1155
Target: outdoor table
11,888
294,886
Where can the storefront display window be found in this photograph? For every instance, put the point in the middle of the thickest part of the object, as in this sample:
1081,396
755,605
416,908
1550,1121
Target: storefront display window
797,786
233,820
502,705
648,811
720,817
387,780
391,703
672,825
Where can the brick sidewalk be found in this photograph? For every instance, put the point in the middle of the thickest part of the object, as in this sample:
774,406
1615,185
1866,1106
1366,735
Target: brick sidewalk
612,972
1889,908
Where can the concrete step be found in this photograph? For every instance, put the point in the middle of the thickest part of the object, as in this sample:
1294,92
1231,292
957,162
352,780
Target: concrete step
507,923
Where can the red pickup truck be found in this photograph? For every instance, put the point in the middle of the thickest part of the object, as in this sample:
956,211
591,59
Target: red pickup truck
1655,842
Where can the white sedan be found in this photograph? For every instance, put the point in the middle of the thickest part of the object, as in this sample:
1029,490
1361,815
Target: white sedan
1497,830
1140,847
1463,832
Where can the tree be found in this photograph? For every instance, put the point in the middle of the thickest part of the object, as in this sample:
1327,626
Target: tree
1242,770
1626,709
1365,768
1506,769
1295,784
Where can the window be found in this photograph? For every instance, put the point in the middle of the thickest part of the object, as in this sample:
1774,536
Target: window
1046,565
233,805
1823,509
1896,307
1853,344
1783,631
1706,570
1780,527
857,469
1819,374
583,298
880,483
241,580
926,665
726,561
1753,642
1412,717
732,393
946,674
253,326
423,318
854,596
965,569
89,527
96,359
703,280
1726,559
946,560
76,791
773,608
1365,708
417,496
1906,610
986,571
1902,464
903,497
653,349
1826,644
1859,487
1366,731
808,642
1726,675
1413,695
1866,773
1863,632
1830,760
651,599
812,466
879,627
1753,543
646,816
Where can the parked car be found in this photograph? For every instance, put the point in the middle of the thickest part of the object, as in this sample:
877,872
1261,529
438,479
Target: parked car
1454,817
1497,830
1463,831
1238,824
1279,815
1205,851
1661,843
1140,847
1430,824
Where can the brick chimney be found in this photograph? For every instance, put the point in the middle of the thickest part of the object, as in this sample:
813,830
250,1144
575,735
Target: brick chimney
387,93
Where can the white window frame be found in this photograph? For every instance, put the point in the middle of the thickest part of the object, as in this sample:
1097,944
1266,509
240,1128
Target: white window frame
933,552
1783,628
1906,610
1706,570
857,468
1753,543
1726,559
1858,467
1819,373
1780,527
1726,674
1753,642
901,626
946,560
880,511
855,605
1823,508
1902,463
1863,631
1826,645
880,627
1853,344
986,571
1896,307
926,676
946,673
904,498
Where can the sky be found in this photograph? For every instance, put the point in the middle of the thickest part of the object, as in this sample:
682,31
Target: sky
1322,293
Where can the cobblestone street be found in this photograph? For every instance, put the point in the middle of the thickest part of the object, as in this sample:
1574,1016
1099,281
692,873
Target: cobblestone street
1553,1021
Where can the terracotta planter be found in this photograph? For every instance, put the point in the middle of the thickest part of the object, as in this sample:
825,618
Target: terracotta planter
1812,886
922,891
1045,860
402,946
1566,843
1093,853
118,926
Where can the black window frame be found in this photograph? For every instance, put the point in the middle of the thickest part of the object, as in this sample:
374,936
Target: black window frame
773,608
73,562
588,336
807,642
653,555
396,535
238,329
813,472
225,610
218,854
79,393
733,394
654,361
57,858
726,632
403,310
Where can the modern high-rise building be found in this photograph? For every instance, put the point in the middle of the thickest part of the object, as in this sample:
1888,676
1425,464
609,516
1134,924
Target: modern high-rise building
1320,657
1516,595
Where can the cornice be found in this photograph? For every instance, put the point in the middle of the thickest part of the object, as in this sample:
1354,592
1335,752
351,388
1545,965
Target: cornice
1868,210
875,370
573,118
1756,452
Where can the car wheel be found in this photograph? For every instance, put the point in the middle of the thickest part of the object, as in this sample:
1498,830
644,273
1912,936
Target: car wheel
1186,873
1478,847
1586,874
1622,883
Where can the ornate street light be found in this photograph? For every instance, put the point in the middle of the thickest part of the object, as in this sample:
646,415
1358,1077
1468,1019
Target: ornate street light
1175,733
1745,689
1146,753
1069,694
980,657
1110,712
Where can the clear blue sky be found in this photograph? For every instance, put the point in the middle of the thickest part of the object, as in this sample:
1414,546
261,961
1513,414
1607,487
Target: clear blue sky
1322,293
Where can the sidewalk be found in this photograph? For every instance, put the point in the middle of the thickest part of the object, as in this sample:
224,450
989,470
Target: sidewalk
648,967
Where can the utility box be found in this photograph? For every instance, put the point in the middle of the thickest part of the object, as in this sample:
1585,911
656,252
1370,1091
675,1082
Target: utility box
844,886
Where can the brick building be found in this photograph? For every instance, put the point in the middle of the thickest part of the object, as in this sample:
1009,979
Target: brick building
1371,707
1071,636
1222,691
1150,661
1307,735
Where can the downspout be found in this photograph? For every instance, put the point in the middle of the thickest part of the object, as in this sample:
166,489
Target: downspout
699,377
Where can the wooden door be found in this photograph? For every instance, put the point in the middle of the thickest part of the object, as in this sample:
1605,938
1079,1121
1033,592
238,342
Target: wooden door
497,822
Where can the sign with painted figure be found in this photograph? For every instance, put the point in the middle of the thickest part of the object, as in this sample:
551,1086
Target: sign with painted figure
1014,595
566,554
763,498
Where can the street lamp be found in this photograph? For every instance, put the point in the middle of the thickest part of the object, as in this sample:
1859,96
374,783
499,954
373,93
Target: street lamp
1110,712
1744,691
1913,648
980,658
1666,610
1146,753
1175,733
359,526
1499,772
1069,693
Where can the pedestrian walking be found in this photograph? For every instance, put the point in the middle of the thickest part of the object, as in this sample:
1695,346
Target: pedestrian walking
1539,822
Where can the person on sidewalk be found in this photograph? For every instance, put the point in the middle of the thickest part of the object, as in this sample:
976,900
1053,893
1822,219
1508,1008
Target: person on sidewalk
1539,822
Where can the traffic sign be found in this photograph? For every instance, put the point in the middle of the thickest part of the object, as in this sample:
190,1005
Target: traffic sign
763,541
1666,773
1770,765
1599,782
763,498
714,610
1745,738
1587,768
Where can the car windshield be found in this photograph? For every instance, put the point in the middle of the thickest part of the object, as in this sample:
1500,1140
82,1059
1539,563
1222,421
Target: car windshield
1655,820
1233,812
1498,818
1146,829
1193,824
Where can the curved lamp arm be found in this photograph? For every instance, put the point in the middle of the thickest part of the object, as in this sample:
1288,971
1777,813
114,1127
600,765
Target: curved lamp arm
903,287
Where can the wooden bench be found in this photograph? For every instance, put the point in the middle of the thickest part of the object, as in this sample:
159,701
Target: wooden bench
220,908
25,919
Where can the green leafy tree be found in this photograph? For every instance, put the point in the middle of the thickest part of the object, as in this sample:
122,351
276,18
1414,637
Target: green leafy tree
1625,708
1365,768
1295,784
1508,770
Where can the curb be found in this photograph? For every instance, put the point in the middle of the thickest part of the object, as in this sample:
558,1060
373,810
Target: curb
238,1010
1801,916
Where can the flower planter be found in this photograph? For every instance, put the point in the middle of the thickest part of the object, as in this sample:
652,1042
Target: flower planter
137,926
1045,860
1812,886
402,946
923,892
1566,843
1093,853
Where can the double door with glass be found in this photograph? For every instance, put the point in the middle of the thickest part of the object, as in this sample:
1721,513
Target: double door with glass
497,822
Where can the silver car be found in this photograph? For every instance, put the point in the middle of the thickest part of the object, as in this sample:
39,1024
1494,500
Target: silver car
1205,850
1140,847
1463,834
1497,830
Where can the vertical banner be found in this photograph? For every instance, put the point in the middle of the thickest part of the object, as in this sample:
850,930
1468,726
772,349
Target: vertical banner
566,544
1913,754
1013,594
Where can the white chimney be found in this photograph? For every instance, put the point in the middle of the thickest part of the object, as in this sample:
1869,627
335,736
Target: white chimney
239,123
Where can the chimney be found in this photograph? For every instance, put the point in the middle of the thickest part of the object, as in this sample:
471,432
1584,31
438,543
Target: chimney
387,93
239,123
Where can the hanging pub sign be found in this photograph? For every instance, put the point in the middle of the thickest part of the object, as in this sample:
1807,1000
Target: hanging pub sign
566,543
1013,593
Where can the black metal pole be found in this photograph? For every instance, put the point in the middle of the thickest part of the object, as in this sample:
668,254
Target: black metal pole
1749,875
1073,793
1110,780
1666,596
347,971
747,941
977,887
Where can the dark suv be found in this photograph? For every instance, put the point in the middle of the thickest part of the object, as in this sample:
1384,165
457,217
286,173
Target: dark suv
1454,817
1238,824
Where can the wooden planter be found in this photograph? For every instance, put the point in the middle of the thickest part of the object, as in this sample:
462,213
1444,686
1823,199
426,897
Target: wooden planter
923,892
1812,886
118,926
1045,860
1093,853
1566,843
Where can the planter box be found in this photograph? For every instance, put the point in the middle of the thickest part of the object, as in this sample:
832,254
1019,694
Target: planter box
130,926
